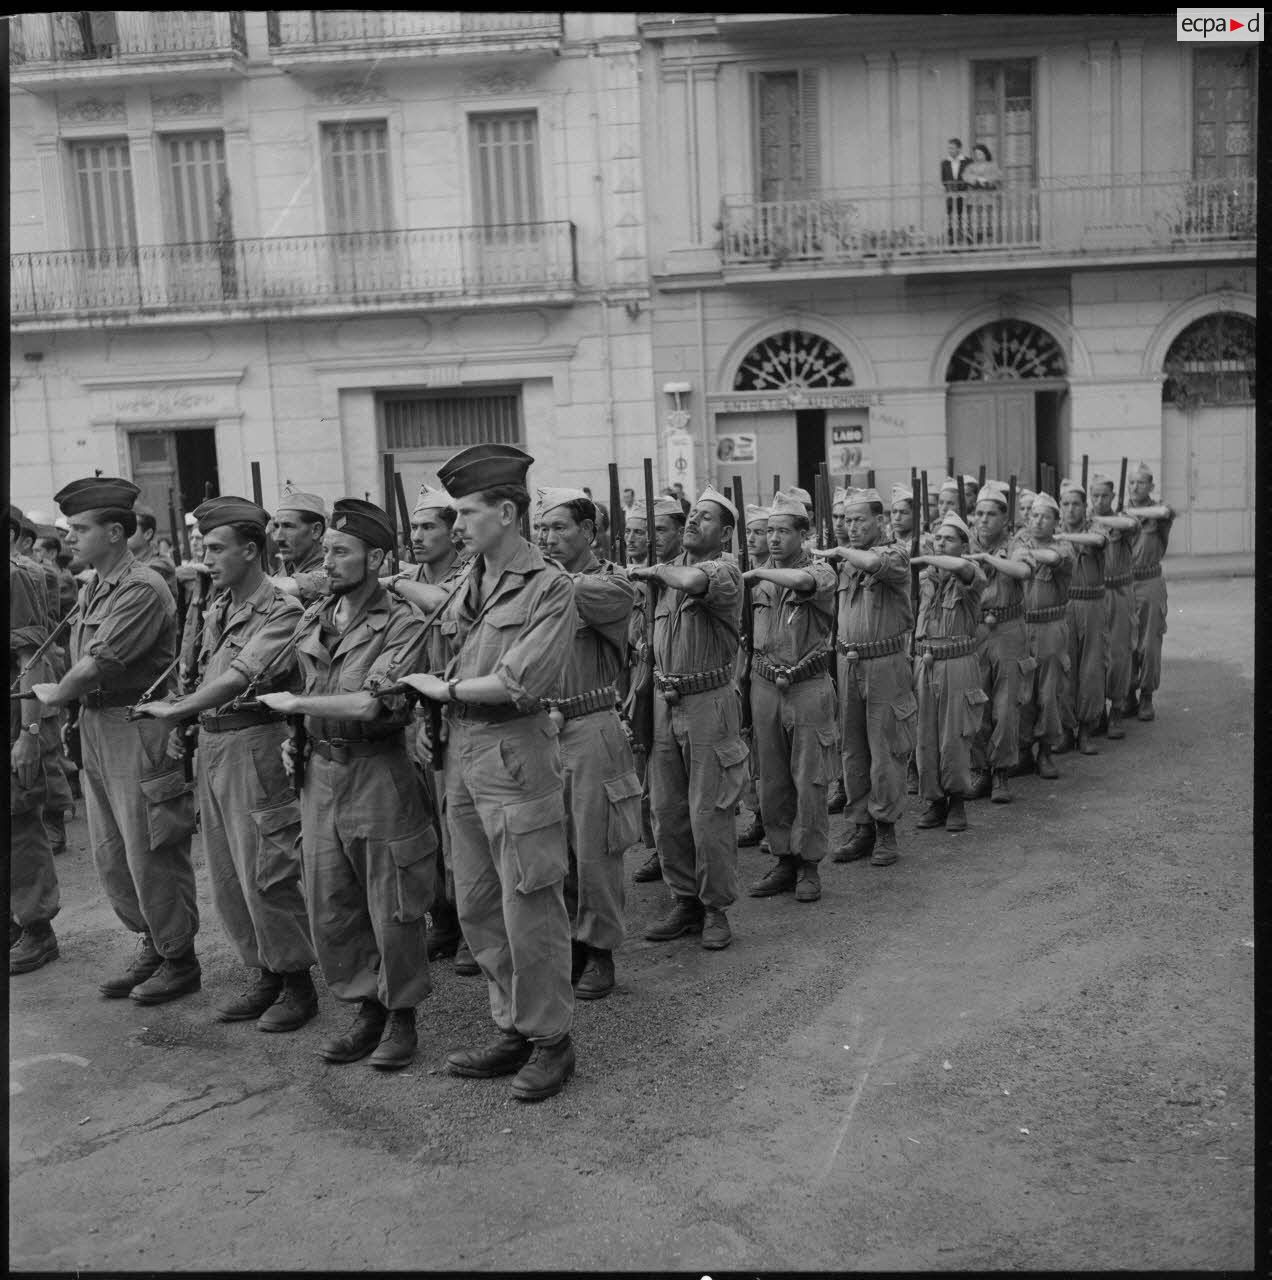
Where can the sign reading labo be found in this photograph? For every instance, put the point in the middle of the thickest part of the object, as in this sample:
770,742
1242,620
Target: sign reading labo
1219,24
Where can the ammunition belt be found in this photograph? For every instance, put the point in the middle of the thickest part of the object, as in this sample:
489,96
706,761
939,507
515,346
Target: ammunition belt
495,713
1036,616
583,704
940,649
342,750
1122,580
675,687
1001,612
1143,575
209,722
873,648
807,669
1086,593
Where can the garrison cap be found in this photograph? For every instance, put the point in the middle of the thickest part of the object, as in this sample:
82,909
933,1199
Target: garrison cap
1044,499
16,519
26,528
431,499
801,495
483,466
860,497
786,502
955,521
1098,478
95,494
712,494
364,520
293,499
972,480
546,499
840,497
1142,470
756,515
1072,486
228,509
949,483
900,494
992,493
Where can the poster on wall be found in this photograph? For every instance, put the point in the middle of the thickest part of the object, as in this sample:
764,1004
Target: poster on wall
848,449
736,447
679,455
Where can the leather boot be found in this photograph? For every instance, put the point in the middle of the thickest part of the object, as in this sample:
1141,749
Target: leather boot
597,979
955,815
808,885
1046,766
1101,725
933,815
780,878
578,960
1085,745
1024,765
1115,730
911,777
398,1043
1065,745
546,1071
34,949
837,798
885,850
499,1058
1001,792
465,963
443,936
649,870
176,976
982,785
253,1000
716,934
145,963
859,845
296,1004
685,916
1146,711
362,1036
753,834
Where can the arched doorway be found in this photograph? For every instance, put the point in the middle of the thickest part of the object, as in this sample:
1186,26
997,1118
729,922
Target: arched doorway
1208,434
1007,401
788,410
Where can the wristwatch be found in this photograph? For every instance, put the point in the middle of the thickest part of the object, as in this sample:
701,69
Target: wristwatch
33,729
452,690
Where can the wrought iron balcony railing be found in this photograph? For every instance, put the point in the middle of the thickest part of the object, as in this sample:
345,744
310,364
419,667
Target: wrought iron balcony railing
1063,216
114,35
362,271
304,30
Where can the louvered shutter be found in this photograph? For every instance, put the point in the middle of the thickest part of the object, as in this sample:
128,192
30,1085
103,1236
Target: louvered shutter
103,185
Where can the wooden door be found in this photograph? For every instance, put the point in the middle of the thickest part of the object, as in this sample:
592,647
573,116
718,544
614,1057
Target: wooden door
154,470
1208,477
776,453
995,426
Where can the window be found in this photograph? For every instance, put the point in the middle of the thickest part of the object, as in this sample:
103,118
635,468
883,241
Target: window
1211,362
198,189
505,165
356,162
1003,117
452,420
104,192
787,135
1223,113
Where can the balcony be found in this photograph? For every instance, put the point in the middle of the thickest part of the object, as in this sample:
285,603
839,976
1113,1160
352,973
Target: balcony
288,276
69,49
318,38
1060,222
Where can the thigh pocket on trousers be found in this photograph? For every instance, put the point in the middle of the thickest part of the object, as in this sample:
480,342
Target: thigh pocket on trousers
905,715
23,800
974,701
828,741
169,807
414,874
1026,667
277,844
623,826
535,835
732,759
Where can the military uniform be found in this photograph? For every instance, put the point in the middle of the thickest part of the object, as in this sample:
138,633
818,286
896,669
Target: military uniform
793,712
1148,548
1119,620
1085,618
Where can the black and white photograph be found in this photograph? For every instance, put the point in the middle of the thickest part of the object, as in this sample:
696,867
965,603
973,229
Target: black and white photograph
632,641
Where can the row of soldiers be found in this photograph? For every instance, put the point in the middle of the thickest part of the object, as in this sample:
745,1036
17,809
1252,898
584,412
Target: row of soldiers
395,765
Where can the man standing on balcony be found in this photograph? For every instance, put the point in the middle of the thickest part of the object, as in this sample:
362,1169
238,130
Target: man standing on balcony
301,520
1155,521
951,179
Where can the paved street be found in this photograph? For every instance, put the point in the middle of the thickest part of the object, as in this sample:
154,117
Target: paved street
1028,1046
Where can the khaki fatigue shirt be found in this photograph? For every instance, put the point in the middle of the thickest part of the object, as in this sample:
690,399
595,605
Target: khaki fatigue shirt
1049,585
876,606
1088,562
790,626
1149,540
694,634
311,577
1000,591
27,630
522,633
604,600
128,625
245,637
948,606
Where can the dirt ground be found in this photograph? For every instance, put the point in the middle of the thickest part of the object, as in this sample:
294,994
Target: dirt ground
1027,1046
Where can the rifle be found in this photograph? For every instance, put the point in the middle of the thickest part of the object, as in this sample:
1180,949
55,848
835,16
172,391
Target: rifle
1011,503
1084,475
642,691
925,496
748,628
404,515
618,530
180,534
915,544
777,483
269,554
980,478
1121,487
391,507
962,497
49,642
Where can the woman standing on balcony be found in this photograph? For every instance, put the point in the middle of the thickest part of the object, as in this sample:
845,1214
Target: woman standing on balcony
983,178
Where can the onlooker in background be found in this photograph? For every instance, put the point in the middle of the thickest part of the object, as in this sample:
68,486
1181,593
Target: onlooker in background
143,546
952,180
983,178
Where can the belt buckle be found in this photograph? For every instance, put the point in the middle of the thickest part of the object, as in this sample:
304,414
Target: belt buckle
339,749
782,677
671,691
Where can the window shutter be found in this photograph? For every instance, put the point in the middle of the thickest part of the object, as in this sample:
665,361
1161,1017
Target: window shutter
505,166
810,131
357,158
454,420
103,182
196,172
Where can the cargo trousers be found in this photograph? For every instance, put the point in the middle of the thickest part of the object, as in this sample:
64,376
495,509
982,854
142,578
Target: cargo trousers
33,888
1088,657
877,720
1119,623
250,823
1040,715
140,819
1150,627
1005,668
951,712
